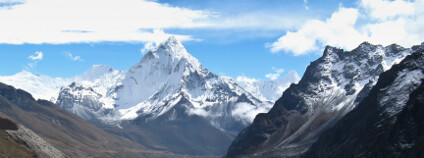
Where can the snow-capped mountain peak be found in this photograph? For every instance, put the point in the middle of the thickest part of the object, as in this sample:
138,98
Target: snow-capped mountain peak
268,89
163,64
167,88
95,72
40,86
166,79
170,51
331,86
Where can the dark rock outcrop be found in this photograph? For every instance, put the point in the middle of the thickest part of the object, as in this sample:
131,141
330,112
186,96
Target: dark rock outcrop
332,86
389,122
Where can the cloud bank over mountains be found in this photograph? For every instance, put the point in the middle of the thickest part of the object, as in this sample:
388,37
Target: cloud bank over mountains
75,21
150,22
377,21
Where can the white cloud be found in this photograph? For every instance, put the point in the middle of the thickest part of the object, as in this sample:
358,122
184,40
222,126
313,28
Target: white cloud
66,21
246,112
198,111
73,58
245,79
12,1
338,30
147,46
377,21
72,21
275,75
255,20
383,9
9,4
36,56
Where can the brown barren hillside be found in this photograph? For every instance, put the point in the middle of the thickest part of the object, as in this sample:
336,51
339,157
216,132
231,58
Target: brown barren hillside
66,131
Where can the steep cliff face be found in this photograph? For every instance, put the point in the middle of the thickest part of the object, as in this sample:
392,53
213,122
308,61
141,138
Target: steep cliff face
331,87
387,123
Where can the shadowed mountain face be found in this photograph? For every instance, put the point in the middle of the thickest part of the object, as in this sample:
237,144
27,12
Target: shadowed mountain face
331,87
176,131
389,122
6,124
66,131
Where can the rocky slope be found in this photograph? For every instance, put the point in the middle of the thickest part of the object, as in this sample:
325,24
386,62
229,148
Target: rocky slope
389,122
67,132
18,141
331,87
31,141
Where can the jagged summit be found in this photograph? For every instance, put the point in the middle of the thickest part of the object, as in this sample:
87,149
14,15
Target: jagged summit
329,50
387,123
172,51
331,87
365,45
166,89
166,63
167,92
152,87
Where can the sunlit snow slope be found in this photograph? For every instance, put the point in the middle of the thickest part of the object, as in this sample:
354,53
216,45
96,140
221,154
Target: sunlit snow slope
155,84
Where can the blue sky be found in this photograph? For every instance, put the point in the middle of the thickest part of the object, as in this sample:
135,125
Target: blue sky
233,38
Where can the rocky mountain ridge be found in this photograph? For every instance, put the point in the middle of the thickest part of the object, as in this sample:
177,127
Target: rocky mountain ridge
387,123
331,87
166,87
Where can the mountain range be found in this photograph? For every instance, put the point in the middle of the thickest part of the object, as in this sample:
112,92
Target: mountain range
167,92
330,89
44,129
268,89
386,123
366,102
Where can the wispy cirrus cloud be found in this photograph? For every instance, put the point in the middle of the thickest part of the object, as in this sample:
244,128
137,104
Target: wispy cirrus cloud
73,58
